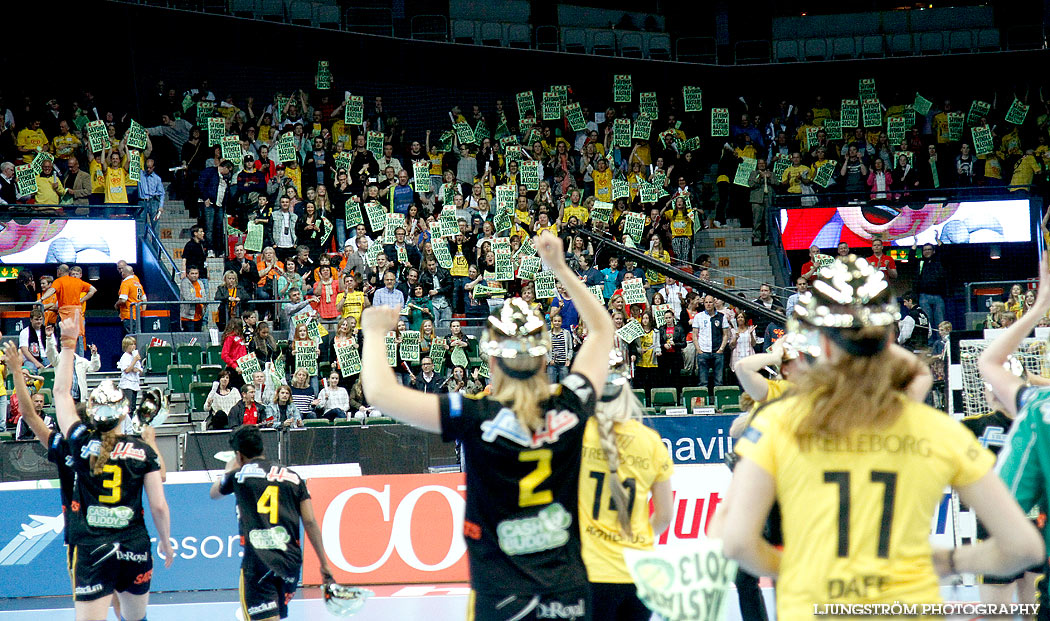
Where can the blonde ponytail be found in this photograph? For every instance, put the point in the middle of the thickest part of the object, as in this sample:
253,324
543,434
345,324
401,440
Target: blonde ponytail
621,409
109,442
522,396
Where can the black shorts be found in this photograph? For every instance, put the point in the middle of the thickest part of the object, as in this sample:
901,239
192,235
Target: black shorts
572,604
264,594
100,569
618,602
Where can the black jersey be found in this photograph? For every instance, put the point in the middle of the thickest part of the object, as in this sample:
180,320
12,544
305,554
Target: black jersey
58,454
990,429
268,499
108,507
520,522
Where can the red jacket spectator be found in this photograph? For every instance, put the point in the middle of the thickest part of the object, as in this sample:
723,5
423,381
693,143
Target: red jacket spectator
233,349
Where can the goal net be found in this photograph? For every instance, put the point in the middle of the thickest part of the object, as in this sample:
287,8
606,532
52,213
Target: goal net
1031,353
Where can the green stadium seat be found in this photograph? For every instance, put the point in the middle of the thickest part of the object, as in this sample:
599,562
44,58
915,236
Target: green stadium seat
190,354
650,412
199,392
663,397
732,409
214,355
640,393
317,422
180,376
7,436
49,376
158,359
688,394
379,420
727,396
208,373
347,422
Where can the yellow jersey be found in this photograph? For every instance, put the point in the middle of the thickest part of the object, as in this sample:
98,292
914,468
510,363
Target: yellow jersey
644,460
351,304
98,179
115,186
681,223
856,510
603,184
582,214
775,388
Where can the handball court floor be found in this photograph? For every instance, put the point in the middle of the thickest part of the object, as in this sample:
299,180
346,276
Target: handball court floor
444,602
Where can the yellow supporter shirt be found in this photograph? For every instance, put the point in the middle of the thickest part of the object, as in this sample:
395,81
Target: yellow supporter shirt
460,266
643,155
940,127
296,175
32,139
115,186
1024,171
644,460
656,278
681,223
820,115
98,180
792,176
856,510
603,184
64,146
264,133
45,194
581,213
131,183
353,306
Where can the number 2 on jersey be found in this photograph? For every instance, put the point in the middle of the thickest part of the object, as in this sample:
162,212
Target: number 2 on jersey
112,483
268,503
841,478
527,494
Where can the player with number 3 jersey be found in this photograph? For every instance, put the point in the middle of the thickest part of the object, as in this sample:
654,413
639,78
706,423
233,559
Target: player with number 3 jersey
858,469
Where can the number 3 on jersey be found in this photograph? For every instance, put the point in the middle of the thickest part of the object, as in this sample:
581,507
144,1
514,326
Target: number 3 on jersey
841,478
527,494
268,503
112,483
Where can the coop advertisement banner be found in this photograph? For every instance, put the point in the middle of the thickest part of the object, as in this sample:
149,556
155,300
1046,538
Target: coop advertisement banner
967,222
41,241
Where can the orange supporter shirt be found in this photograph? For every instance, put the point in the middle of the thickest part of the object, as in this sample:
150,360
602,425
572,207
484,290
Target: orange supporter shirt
198,310
50,316
68,290
272,275
131,291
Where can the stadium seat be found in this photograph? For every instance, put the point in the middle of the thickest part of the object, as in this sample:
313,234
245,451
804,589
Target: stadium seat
180,377
727,396
189,354
547,38
843,47
519,36
870,46
640,393
464,31
787,51
732,409
317,422
658,47
379,420
603,42
662,397
327,16
347,422
815,49
988,40
214,355
492,34
301,13
631,45
7,436
48,374
688,394
242,8
931,43
960,41
324,369
198,395
158,359
272,10
899,44
574,40
208,373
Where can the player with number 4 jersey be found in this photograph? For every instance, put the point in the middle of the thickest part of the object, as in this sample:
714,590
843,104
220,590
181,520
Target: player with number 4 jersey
858,469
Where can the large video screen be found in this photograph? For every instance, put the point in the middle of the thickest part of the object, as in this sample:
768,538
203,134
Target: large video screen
67,241
968,222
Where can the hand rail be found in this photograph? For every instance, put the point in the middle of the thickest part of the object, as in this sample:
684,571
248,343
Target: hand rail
157,244
783,200
970,286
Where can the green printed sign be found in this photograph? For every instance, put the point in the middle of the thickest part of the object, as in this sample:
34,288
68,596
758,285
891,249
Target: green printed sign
922,105
978,110
528,267
391,350
231,149
634,291
720,121
668,577
409,346
692,97
286,148
253,242
421,177
630,332
866,87
504,197
98,136
353,214
648,192
527,248
621,188
25,180
551,107
833,129
349,359
438,349
530,176
374,143
216,130
895,128
446,140
526,104
779,166
248,365
692,144
643,127
464,133
459,357
442,254
622,132
982,139
623,89
601,211
448,194
872,110
824,173
354,110
648,105
744,170
633,225
40,158
658,314
376,215
205,109
394,221
504,267
306,357
134,165
955,125
574,114
481,131
1017,112
137,136
448,225
544,285
811,137
501,221
849,113
343,160
598,291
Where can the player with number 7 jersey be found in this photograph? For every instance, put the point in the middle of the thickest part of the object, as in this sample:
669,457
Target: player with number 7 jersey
271,501
858,469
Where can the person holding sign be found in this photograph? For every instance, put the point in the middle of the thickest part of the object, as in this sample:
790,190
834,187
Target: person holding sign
628,459
233,349
522,540
115,174
852,447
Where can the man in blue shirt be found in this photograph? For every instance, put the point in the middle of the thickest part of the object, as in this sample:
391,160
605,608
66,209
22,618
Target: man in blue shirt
389,295
151,193
613,275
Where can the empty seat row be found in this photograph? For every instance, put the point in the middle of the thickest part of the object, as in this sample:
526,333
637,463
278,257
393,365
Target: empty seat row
901,44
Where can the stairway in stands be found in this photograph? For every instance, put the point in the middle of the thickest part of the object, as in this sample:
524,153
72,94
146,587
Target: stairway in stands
735,263
174,231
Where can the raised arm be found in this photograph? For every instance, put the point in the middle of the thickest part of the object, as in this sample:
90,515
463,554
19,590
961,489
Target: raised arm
748,371
13,360
65,408
1004,383
593,359
381,388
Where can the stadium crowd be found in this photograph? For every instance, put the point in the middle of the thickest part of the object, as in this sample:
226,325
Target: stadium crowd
321,207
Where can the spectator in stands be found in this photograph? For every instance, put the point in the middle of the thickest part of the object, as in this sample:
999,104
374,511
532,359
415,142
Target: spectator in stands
49,188
428,381
389,295
115,174
882,262
672,343
283,411
151,193
842,250
245,268
130,367
233,349
299,341
914,328
285,226
191,289
303,394
194,254
645,354
801,286
709,328
879,180
333,401
70,293
81,367
905,177
75,180
930,282
247,411
766,299
762,185
8,190
308,230
223,396
232,297
214,187
33,341
131,298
